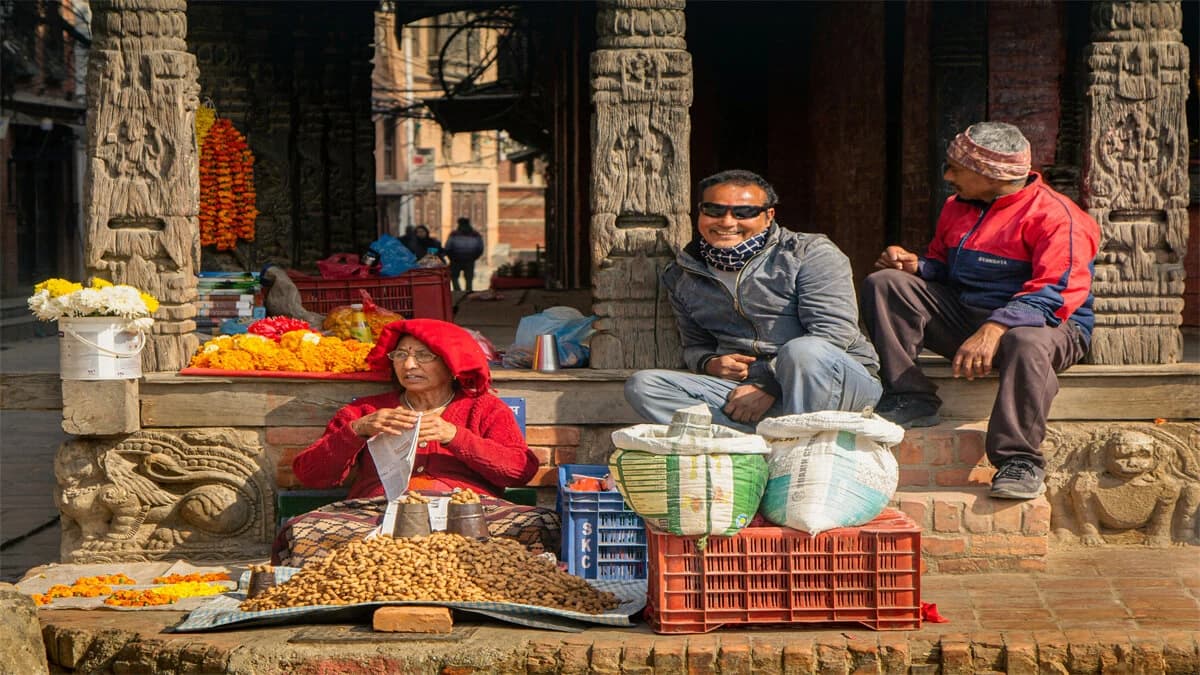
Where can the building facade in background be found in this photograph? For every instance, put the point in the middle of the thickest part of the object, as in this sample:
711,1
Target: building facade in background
428,176
42,116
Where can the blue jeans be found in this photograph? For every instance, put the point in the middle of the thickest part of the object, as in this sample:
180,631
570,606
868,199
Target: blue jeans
813,374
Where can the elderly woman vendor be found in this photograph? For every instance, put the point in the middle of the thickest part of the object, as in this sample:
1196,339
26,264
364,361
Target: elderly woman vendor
468,438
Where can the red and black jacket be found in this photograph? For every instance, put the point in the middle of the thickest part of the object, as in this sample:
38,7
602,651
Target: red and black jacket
1027,256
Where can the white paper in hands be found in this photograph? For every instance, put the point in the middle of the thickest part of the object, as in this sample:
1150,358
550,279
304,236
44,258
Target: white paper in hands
394,456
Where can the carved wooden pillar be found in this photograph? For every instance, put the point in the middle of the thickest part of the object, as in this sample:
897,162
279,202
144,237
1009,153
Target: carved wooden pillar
141,191
641,185
1135,179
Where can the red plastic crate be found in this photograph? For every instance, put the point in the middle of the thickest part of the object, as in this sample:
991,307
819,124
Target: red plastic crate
765,575
422,293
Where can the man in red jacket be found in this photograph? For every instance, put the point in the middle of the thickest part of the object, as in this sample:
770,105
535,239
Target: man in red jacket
1005,284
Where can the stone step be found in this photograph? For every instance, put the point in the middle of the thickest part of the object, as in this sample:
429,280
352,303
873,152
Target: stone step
966,531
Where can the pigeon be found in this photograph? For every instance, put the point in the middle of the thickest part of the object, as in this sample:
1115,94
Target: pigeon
283,298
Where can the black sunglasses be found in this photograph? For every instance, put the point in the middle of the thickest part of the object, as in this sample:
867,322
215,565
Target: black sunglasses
741,212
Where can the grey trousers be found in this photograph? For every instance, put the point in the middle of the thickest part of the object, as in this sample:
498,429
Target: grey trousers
813,374
904,314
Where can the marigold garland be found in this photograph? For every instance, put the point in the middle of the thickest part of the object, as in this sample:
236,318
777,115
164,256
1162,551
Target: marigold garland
301,351
227,197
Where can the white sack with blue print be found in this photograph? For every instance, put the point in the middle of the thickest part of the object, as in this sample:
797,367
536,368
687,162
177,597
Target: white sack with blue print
829,469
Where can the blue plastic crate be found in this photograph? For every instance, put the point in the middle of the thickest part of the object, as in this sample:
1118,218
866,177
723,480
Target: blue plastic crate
602,537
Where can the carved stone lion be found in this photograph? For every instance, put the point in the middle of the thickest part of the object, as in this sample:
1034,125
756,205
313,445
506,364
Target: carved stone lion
198,494
1125,483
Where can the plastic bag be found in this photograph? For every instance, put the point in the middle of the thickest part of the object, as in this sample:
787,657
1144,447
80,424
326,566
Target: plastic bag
489,349
829,469
343,266
568,325
394,257
692,477
341,318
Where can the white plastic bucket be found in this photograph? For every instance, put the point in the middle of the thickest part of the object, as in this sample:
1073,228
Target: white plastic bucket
99,348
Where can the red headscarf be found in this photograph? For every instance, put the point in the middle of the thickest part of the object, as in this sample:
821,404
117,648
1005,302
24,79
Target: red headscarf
456,347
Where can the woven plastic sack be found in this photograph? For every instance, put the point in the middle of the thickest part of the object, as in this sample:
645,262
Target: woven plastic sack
829,469
691,478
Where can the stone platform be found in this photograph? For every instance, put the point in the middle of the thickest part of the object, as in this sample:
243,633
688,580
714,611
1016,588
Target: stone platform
1130,610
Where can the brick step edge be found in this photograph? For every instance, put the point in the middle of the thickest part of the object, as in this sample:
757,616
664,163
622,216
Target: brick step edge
89,650
964,530
950,454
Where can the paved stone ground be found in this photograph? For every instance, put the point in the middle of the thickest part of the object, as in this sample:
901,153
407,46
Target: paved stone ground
1110,610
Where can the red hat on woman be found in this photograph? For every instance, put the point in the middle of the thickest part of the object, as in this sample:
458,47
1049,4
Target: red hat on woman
456,347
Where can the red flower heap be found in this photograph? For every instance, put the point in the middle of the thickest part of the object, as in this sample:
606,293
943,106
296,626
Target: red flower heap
274,327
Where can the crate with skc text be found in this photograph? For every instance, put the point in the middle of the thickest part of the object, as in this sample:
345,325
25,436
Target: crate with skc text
602,537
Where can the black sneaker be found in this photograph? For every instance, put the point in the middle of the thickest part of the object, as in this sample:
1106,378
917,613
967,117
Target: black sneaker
910,411
1018,479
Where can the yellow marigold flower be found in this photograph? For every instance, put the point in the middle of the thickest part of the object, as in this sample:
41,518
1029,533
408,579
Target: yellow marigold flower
151,302
291,340
98,282
232,360
57,287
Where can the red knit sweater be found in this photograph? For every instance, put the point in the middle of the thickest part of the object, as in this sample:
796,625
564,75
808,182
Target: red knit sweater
487,454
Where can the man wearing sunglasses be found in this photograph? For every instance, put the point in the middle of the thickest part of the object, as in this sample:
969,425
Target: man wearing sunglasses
1005,284
768,317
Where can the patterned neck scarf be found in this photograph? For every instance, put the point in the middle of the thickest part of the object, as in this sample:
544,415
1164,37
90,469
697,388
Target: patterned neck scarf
735,258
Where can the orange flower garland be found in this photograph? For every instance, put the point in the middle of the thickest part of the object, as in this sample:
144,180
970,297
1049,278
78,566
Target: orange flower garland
296,351
227,197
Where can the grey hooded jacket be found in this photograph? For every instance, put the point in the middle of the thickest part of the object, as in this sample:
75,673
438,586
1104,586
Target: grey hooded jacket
799,284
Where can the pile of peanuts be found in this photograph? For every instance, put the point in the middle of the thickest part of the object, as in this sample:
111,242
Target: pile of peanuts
413,498
441,567
467,496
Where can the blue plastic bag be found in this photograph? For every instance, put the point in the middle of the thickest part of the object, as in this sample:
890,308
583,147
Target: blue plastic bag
394,257
571,329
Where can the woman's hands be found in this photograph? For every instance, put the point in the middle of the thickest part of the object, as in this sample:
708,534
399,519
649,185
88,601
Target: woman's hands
434,428
400,420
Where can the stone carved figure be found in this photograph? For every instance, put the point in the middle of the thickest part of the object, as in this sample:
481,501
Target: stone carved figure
1127,483
150,495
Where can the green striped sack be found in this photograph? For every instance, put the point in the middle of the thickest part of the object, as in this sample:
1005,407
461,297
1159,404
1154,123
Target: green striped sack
691,495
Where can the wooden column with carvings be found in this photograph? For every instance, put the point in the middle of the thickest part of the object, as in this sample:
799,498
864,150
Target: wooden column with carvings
1135,179
141,191
641,183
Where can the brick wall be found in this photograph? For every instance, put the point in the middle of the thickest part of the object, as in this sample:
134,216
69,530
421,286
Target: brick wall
970,532
944,456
